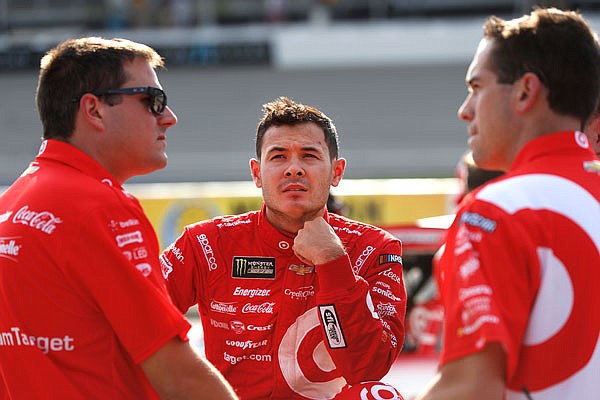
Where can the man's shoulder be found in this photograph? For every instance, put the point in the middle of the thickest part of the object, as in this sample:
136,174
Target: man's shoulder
349,229
74,193
226,223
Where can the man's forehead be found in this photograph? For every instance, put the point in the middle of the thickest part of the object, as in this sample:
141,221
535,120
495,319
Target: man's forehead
480,60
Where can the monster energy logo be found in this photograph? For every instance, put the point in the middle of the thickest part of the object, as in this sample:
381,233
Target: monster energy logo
253,267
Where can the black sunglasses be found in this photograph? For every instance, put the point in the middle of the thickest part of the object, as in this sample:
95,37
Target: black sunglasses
158,98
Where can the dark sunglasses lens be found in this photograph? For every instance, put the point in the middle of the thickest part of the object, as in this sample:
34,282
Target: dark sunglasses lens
159,101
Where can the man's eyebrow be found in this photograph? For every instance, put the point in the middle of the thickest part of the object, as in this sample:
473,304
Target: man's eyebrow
304,148
472,80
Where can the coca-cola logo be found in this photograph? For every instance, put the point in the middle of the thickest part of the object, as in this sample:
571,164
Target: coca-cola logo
264,308
44,221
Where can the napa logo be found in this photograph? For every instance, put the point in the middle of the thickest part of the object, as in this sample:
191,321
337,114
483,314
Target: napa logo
592,166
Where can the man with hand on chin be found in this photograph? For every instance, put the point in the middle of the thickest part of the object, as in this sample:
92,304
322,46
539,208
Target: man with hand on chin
295,302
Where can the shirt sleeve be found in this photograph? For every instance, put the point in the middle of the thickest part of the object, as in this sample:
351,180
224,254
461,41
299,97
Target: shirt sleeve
363,316
488,285
181,269
115,264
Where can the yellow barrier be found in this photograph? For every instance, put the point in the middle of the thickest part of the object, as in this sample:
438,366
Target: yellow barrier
171,206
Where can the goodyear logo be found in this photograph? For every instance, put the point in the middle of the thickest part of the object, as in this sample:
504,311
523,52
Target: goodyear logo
253,267
390,258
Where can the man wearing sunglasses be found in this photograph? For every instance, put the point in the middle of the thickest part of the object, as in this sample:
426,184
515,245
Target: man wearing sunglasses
84,312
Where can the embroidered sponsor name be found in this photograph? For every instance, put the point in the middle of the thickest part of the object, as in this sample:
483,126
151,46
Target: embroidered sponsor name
117,225
144,268
390,274
250,293
478,290
390,258
44,221
332,327
235,223
264,308
253,267
128,238
362,259
208,252
176,251
239,327
254,357
9,247
165,266
386,293
301,293
386,310
347,230
223,308
477,220
246,344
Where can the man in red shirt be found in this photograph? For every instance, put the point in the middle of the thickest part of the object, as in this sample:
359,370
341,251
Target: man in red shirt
296,302
519,274
84,311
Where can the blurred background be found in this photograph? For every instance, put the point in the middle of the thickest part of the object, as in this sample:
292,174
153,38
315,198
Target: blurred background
389,72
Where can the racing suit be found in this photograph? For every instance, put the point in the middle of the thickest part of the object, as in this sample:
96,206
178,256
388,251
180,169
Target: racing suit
279,329
82,297
522,268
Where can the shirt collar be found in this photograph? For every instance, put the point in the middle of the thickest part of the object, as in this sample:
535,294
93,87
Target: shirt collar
65,153
552,143
274,238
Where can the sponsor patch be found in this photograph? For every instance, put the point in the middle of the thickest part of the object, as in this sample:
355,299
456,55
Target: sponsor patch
302,269
362,258
477,220
592,166
253,267
165,266
10,247
128,238
390,258
44,221
332,327
144,268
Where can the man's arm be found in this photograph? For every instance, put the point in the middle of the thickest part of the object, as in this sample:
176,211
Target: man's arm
176,371
479,376
362,318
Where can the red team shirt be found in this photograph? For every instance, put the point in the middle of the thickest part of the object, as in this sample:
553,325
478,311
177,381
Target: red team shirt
82,298
522,268
280,329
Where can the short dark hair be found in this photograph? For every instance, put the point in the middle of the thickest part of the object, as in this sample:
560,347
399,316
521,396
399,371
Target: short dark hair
81,65
283,111
559,47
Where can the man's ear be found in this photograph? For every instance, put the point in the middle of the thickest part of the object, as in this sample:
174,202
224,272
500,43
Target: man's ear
91,109
339,166
255,171
528,91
